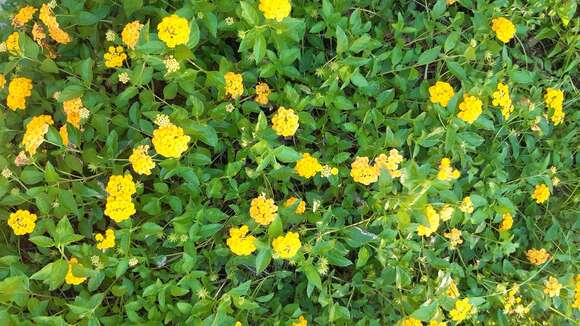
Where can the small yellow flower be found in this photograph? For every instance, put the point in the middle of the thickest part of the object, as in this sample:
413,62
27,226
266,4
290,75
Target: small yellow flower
362,172
169,140
441,93
287,246
501,99
35,131
452,290
240,242
121,186
410,321
173,30
263,210
300,209
114,57
553,287
12,43
2,81
119,209
105,241
432,225
504,29
307,166
141,161
23,16
130,34
63,131
73,108
18,90
576,303
285,122
470,109
389,162
554,99
454,237
234,84
506,222
446,212
462,310
436,323
54,30
275,9
262,93
301,322
537,256
22,222
541,193
70,277
446,172
466,205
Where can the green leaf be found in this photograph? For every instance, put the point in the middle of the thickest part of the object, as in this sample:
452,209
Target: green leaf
429,55
341,40
203,132
52,274
249,14
263,259
312,275
259,47
42,241
14,289
130,6
522,76
286,154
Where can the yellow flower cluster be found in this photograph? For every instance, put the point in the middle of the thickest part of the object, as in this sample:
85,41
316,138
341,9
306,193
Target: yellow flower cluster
263,210
285,122
470,108
537,256
70,278
441,93
466,205
35,131
462,310
114,57
307,166
362,172
446,212
410,321
327,171
2,81
504,29
454,237
130,34
436,323
13,43
63,131
141,161
553,287
512,302
554,99
452,290
287,246
22,222
432,222
541,193
300,209
72,108
301,322
275,9
169,140
18,90
54,30
390,162
23,16
173,30
234,84
119,206
576,303
507,222
240,242
446,172
262,93
105,241
502,99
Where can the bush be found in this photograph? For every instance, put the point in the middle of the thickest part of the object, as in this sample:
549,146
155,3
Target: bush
266,163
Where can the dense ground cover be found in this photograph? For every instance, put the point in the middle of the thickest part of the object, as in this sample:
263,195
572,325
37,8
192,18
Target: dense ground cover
274,163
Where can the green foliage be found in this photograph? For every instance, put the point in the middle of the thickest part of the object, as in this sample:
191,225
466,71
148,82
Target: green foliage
357,74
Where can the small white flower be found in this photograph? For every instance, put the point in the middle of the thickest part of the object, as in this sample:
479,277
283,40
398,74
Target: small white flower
110,36
229,21
6,173
124,77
